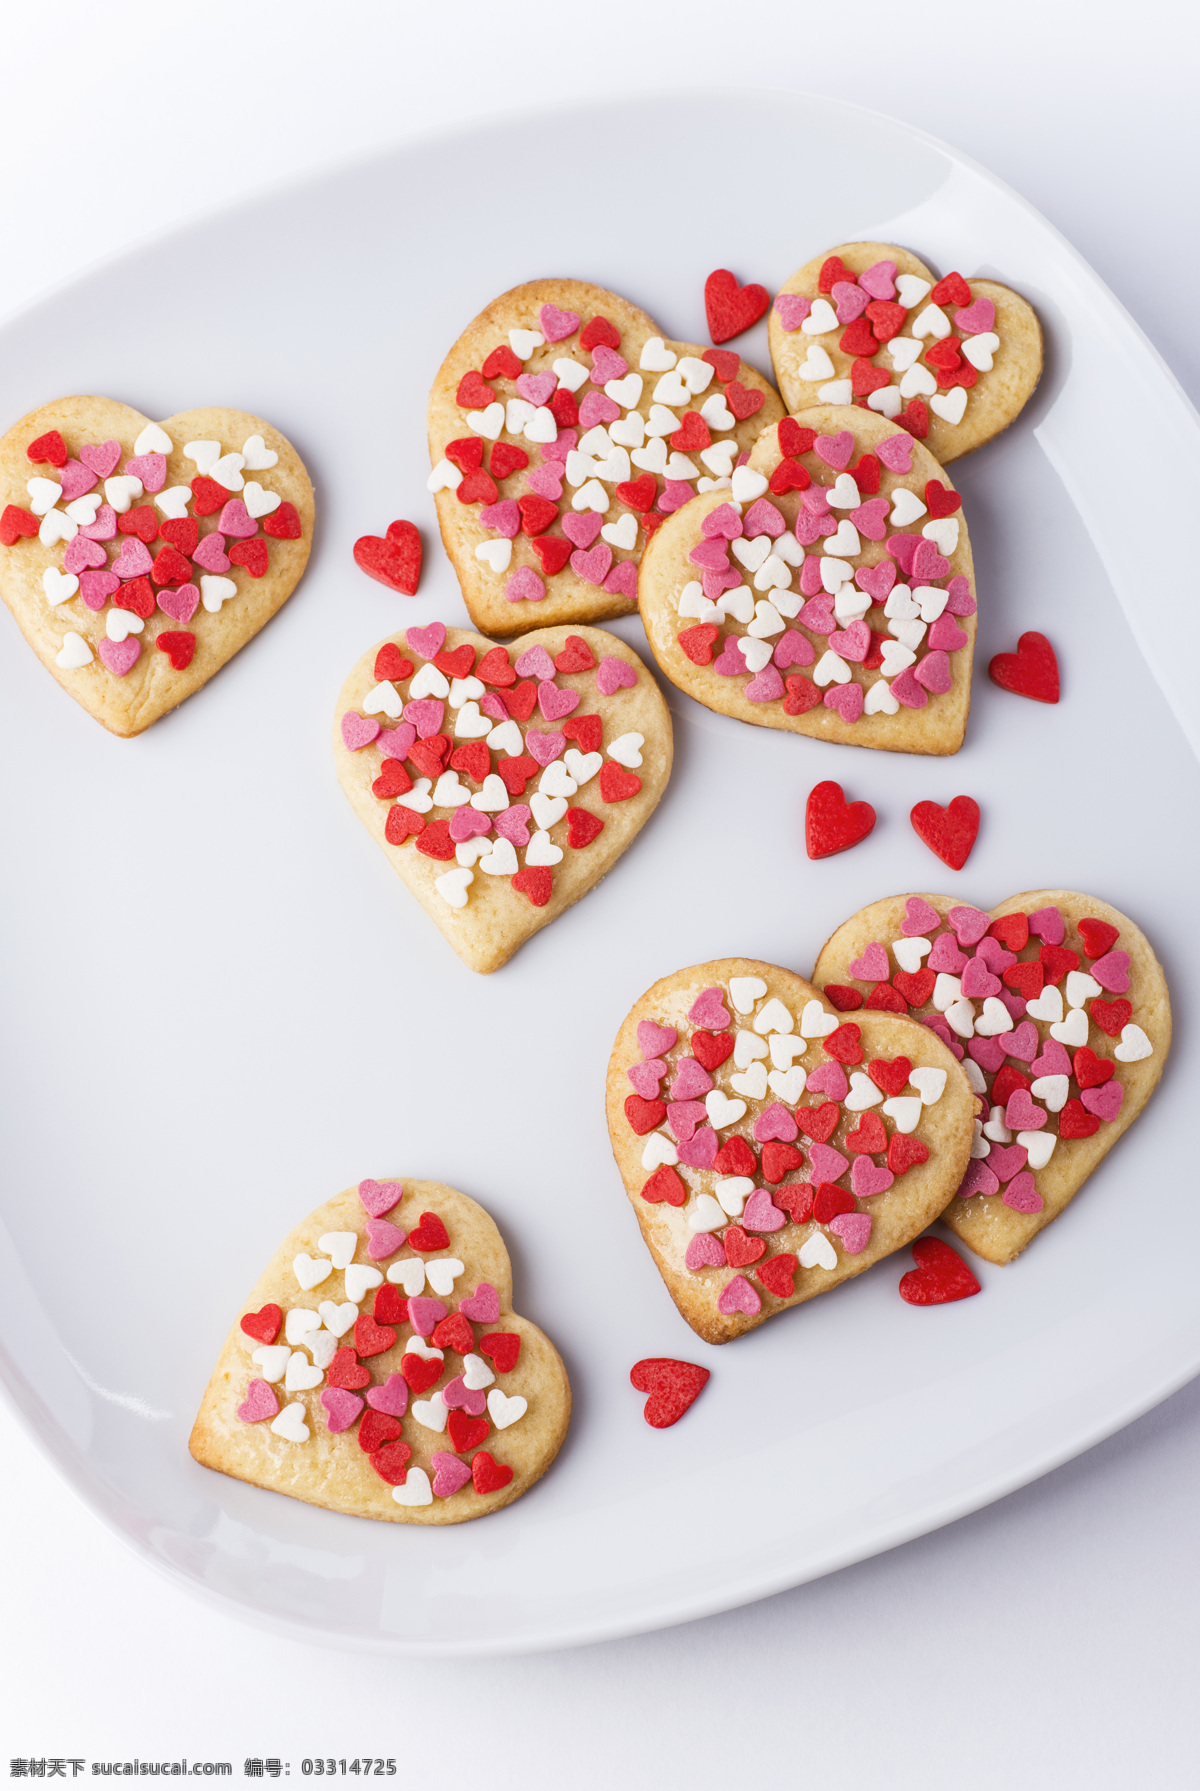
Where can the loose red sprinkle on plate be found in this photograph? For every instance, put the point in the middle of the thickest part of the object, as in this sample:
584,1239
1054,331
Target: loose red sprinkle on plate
1031,671
731,308
831,824
948,832
940,1276
673,1386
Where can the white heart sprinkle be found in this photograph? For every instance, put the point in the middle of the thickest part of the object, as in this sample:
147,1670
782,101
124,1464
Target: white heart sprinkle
821,319
721,1110
525,341
44,494
258,501
311,1271
1134,1045
911,289
59,587
785,1047
431,1412
359,1278
752,1082
175,500
153,440
1080,988
505,1409
929,1083
290,1423
656,357
815,1023
491,798
994,1018
228,472
978,350
863,1093
216,591
950,405
272,1360
441,1274
1073,1030
658,1149
453,885
74,652
119,623
301,1375
501,861
1040,1146
257,457
408,1274
487,423
203,455
299,1322
336,1318
816,365
816,1252
706,1214
445,477
905,1110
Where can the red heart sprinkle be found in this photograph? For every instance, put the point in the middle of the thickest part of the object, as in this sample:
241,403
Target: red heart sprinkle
429,1234
434,840
421,1372
473,392
390,1462
833,271
377,1428
494,668
16,522
699,642
779,1159
871,1135
49,447
466,452
915,418
253,555
172,568
182,532
207,496
1031,671
1012,930
831,824
802,695
1111,1017
883,999
830,1200
179,645
724,363
582,827
952,290
371,1339
639,494
843,1043
693,432
588,730
945,357
1076,1122
796,1198
599,333
673,1386
617,784
889,1074
576,655
141,521
390,1308
474,759
866,474
520,699
1091,1071
844,999
939,500
1056,961
537,513
644,1115
859,339
534,881
818,1122
743,401
401,824
865,379
736,1157
517,772
390,663
466,1432
454,1332
940,1276
887,319
904,1152
264,1324
136,595
916,986
948,832
1098,936
712,1048
476,488
502,363
429,756
778,1274
740,1248
1008,1079
731,308
506,458
1026,979
502,1348
456,662
795,438
789,475
487,1474
564,409
283,524
345,1370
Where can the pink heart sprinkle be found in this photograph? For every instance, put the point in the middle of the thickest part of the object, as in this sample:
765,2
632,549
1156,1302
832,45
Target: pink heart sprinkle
724,521
979,1179
995,955
1007,1160
919,918
793,649
259,1403
945,636
1022,1042
581,527
1022,1196
491,705
854,1229
847,699
97,587
1022,1114
75,480
989,1054
977,980
537,388
1105,1101
483,1305
134,560
607,364
713,581
960,601
525,584
876,581
102,458
977,318
739,1296
1047,924
383,1239
394,743
704,1252
597,407
817,614
379,1197
450,1474
792,308
341,1407
878,280
691,1079
867,1178
554,702
547,481
461,1398
870,519
428,641
179,602
358,730
512,823
835,450
852,643
1054,1061
906,690
709,1010
120,656
827,1163
759,1213
871,966
592,567
1016,1004
614,674
816,497
426,716
810,577
545,748
895,451
937,1023
210,553
829,1079
424,1313
683,1117
762,518
765,687
504,518
928,564
556,451
699,1151
105,526
809,529
646,1076
622,580
654,1040
151,469
391,1397
729,662
711,552
1112,972
970,924
237,521
674,495
82,554
557,325
849,299
933,674
775,1122
466,823
945,954
902,549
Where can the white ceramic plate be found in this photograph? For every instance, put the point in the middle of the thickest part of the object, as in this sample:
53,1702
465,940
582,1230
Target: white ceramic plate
222,1006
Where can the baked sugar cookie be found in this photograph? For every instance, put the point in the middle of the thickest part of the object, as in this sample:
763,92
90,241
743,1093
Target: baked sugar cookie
502,782
771,1148
137,557
563,427
829,592
380,1370
952,361
1058,1009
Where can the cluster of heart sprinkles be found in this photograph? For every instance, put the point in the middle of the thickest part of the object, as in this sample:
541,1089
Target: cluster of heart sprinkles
824,593
1012,1001
871,310
716,1119
162,559
597,441
483,821
313,1352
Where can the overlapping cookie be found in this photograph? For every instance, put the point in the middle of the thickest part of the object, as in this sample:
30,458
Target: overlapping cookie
772,1149
380,1370
502,782
138,557
562,429
829,592
1058,1009
952,361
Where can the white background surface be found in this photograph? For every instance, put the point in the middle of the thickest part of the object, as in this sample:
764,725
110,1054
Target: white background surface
1051,1638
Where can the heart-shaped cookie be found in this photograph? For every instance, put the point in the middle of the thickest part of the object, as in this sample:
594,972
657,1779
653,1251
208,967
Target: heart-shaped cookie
829,592
562,429
771,1149
380,1370
502,782
952,361
1058,1009
137,557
